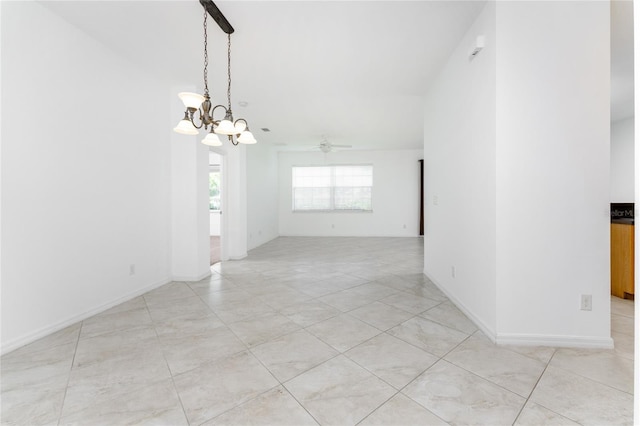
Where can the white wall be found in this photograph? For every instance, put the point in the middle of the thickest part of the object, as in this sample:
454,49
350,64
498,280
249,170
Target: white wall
262,194
395,197
190,246
622,157
234,201
214,223
553,172
517,154
85,185
460,186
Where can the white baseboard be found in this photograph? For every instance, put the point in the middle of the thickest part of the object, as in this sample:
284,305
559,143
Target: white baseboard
191,278
517,339
554,340
19,342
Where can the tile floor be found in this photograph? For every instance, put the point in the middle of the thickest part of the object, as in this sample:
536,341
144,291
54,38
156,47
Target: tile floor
332,331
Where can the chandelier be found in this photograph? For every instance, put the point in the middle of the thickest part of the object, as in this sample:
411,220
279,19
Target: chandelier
237,131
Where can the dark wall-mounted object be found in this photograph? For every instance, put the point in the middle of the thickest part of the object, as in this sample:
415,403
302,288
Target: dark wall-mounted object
217,16
622,213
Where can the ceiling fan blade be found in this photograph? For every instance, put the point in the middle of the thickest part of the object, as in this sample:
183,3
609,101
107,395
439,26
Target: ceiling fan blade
341,146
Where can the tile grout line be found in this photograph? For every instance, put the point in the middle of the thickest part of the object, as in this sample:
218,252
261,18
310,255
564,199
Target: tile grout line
534,388
173,383
73,360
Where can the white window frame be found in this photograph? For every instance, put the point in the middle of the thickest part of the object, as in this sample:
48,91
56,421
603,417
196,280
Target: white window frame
332,190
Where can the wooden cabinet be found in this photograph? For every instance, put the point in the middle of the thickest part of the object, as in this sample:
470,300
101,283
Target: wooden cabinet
622,260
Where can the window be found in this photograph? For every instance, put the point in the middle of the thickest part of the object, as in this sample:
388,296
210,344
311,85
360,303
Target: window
332,188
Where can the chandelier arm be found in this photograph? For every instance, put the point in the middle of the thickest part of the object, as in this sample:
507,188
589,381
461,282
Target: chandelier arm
218,106
191,112
232,140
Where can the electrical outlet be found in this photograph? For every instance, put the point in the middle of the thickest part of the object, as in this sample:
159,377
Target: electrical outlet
453,272
132,269
435,200
585,302
333,226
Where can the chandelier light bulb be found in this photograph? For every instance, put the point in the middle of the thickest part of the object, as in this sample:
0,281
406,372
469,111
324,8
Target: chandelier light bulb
191,100
185,127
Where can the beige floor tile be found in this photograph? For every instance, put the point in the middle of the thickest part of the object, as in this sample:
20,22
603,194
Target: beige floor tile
309,313
622,324
622,307
343,332
152,403
212,389
104,380
141,341
108,323
274,407
211,284
603,366
447,314
373,290
35,404
262,328
242,310
582,400
428,335
339,392
536,415
401,410
188,351
184,307
460,397
381,315
193,324
623,345
391,359
292,354
66,336
410,303
26,367
167,294
346,300
282,299
513,371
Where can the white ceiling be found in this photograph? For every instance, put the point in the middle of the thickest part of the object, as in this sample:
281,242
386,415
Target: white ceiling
355,71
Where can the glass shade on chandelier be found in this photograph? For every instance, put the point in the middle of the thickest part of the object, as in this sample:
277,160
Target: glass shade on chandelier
212,140
247,138
185,126
226,126
191,100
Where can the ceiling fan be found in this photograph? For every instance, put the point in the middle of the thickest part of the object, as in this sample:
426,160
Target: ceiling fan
326,146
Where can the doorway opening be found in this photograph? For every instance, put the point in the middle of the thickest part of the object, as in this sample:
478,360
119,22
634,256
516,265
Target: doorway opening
215,207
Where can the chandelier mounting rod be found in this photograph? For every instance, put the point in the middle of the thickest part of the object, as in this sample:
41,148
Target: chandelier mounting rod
217,16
